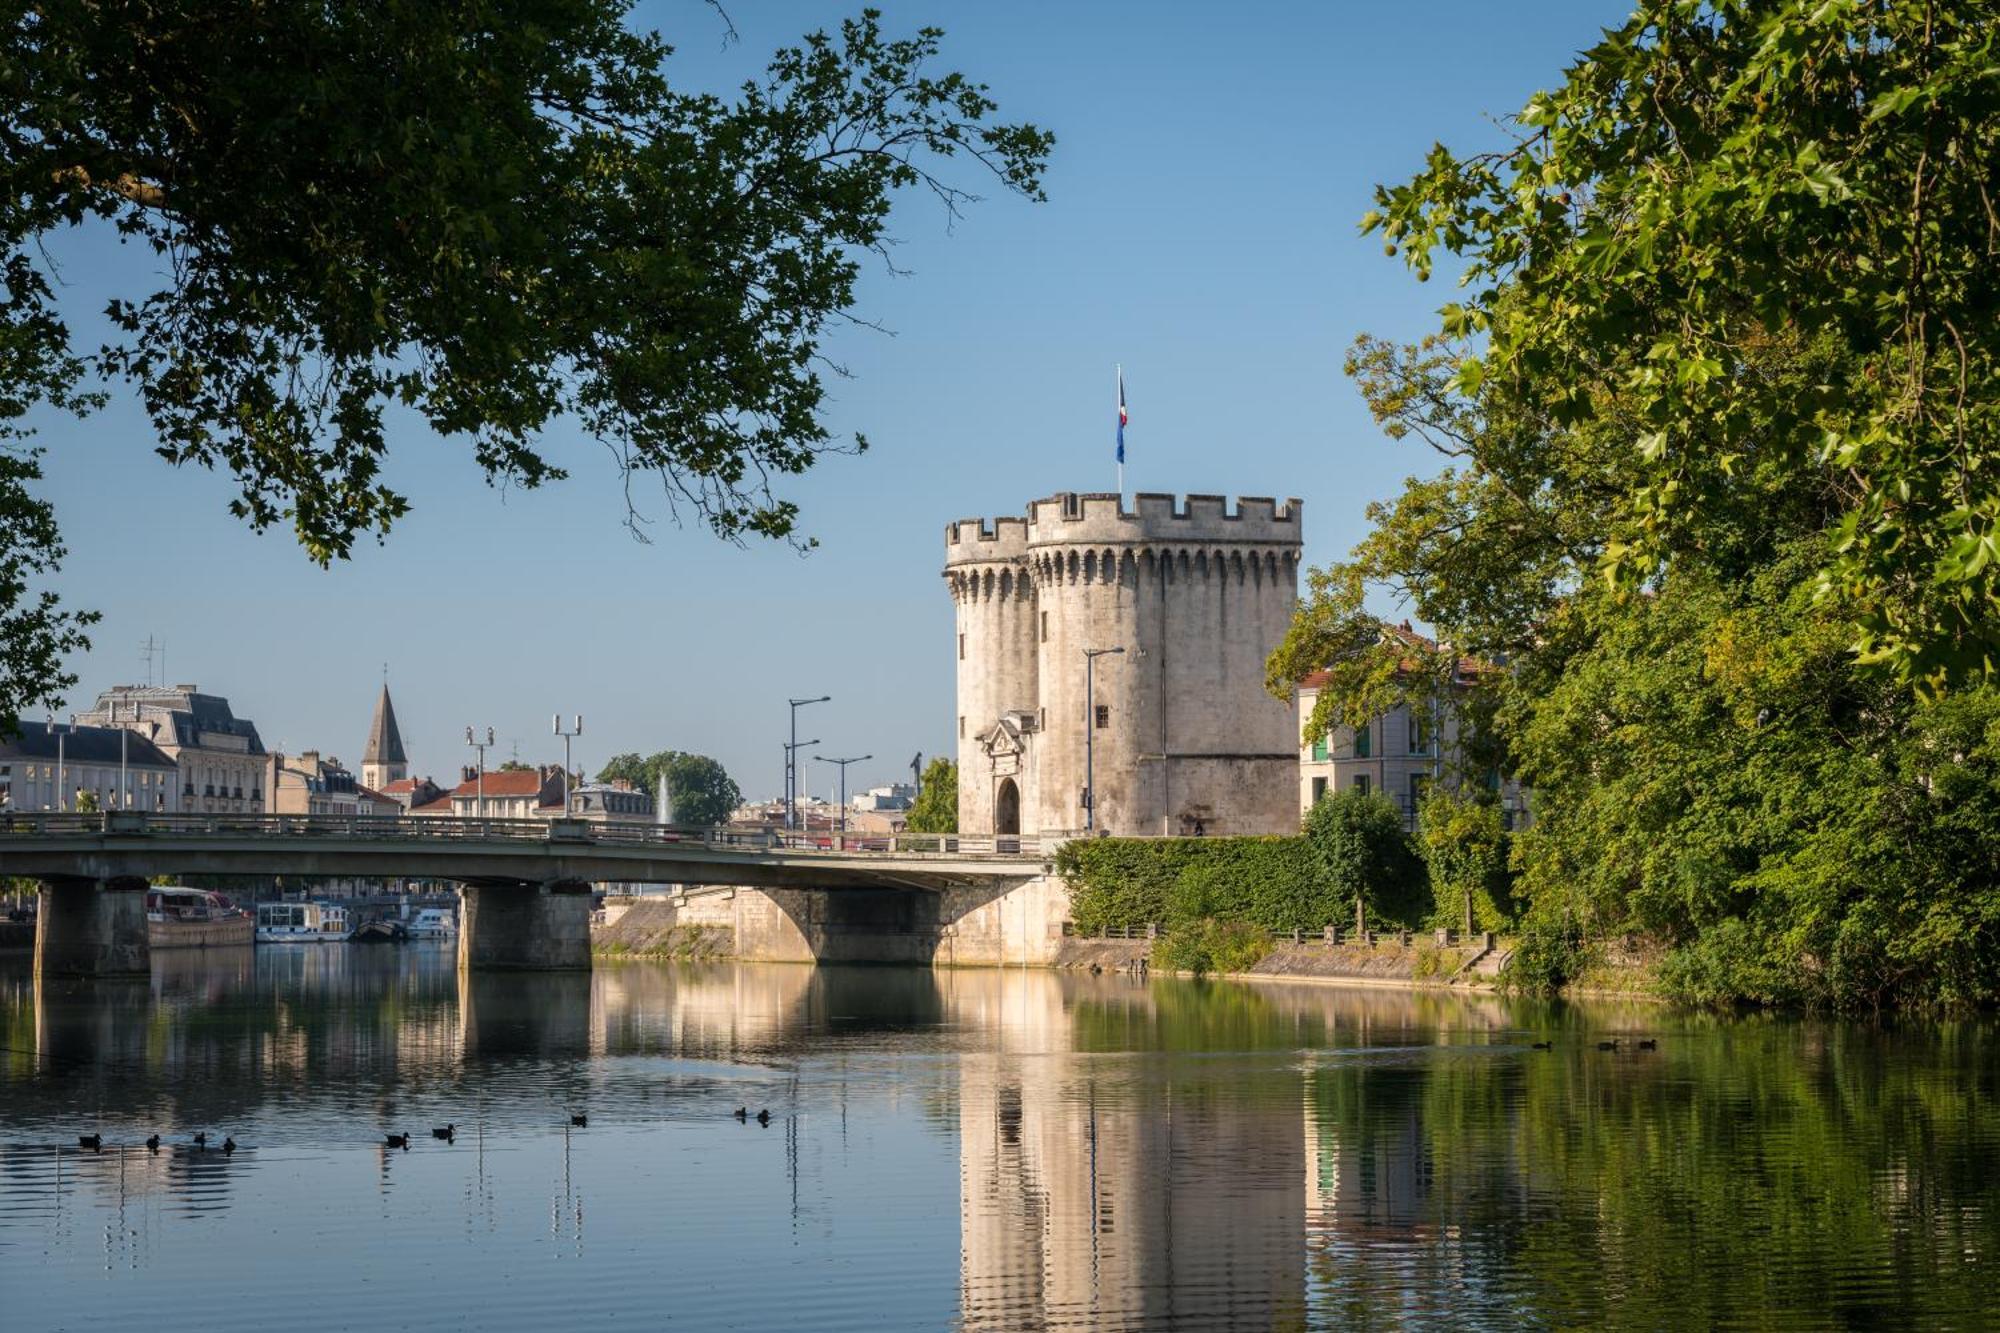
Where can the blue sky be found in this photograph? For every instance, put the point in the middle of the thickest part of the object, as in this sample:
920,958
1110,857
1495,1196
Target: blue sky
1210,166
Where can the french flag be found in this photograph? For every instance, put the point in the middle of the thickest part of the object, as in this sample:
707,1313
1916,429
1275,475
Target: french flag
1122,417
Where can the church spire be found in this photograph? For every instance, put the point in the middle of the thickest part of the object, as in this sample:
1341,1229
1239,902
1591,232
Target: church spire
383,761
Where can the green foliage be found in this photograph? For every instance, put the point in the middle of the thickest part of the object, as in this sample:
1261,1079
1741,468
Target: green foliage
491,217
936,807
1361,851
1464,848
1709,176
1270,882
1717,413
1206,945
1280,884
703,792
86,802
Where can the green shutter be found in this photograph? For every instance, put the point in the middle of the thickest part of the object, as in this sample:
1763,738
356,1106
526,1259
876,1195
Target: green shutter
1319,750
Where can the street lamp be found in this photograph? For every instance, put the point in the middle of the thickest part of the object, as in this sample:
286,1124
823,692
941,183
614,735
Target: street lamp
843,781
479,774
792,760
1090,656
567,737
791,779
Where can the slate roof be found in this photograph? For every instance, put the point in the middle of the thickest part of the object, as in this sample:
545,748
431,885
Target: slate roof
385,740
83,745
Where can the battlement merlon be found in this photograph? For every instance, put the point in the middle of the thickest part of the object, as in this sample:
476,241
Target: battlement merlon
979,541
1159,517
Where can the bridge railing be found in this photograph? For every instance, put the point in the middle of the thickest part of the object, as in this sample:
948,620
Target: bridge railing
434,829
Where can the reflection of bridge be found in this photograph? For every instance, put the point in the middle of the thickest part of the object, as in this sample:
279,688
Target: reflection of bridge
525,882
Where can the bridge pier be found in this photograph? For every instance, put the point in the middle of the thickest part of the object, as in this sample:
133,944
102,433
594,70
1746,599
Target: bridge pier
524,927
92,928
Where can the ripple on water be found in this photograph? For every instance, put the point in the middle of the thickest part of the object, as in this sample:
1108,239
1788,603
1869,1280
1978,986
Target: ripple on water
986,1151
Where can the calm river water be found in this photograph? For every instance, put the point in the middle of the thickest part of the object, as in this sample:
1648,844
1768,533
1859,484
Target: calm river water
967,1149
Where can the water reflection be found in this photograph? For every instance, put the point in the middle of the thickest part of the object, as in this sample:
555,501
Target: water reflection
1113,1154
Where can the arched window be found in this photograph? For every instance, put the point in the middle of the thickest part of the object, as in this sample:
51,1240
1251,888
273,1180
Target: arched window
1007,807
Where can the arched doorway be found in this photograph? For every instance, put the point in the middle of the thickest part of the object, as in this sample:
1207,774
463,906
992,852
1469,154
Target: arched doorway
1007,808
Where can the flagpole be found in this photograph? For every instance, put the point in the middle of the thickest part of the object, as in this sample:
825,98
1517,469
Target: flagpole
1119,373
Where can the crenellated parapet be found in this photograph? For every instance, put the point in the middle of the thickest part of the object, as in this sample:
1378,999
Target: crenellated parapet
1071,518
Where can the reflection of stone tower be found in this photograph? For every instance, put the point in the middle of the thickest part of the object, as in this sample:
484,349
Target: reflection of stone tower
1185,738
383,761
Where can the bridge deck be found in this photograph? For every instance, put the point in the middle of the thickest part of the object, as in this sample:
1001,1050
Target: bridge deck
122,844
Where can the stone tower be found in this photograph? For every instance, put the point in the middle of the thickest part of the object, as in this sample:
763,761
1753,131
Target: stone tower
383,761
1185,738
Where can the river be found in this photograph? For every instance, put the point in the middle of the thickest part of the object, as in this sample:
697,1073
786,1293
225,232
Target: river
967,1149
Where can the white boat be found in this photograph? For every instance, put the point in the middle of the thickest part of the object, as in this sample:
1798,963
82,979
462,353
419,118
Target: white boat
433,923
301,923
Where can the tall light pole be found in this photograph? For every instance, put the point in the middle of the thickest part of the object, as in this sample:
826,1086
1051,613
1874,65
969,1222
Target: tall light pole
792,749
1090,656
479,774
567,737
792,760
62,772
843,781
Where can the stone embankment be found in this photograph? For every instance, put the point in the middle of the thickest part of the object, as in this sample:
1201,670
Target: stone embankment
653,929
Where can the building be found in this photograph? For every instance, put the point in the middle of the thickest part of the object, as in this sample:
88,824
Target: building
610,803
220,757
409,793
54,767
537,793
895,796
312,784
1402,752
1181,738
383,763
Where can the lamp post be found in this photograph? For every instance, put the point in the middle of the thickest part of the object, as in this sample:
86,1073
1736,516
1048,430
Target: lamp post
567,737
843,781
1090,656
62,774
792,749
479,774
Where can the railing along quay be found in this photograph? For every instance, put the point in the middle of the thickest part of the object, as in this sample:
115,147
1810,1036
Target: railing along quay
390,828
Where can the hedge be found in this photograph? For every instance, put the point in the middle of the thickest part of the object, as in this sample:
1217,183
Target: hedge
1270,882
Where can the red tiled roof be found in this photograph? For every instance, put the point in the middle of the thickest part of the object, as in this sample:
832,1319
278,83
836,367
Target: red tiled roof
401,784
441,806
509,782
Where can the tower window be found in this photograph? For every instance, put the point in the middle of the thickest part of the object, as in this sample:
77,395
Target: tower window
1103,716
961,647
961,726
1045,627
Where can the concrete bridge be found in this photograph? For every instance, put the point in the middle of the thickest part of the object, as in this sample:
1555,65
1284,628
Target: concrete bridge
524,884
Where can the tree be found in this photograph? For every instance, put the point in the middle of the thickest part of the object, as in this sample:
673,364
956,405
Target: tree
1464,849
1713,176
1363,854
936,807
702,791
489,216
514,766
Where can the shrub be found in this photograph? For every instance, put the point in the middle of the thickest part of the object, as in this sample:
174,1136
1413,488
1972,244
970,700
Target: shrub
1209,945
1270,882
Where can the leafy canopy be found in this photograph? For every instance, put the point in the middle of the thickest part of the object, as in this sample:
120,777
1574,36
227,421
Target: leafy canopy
488,215
702,791
1713,175
936,807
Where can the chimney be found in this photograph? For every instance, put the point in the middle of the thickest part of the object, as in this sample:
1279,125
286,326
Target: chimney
467,773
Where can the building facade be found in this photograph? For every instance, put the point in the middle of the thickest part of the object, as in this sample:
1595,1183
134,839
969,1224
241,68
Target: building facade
1403,752
313,784
56,767
1175,735
219,755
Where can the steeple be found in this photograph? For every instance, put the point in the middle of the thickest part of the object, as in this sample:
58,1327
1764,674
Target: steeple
384,762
